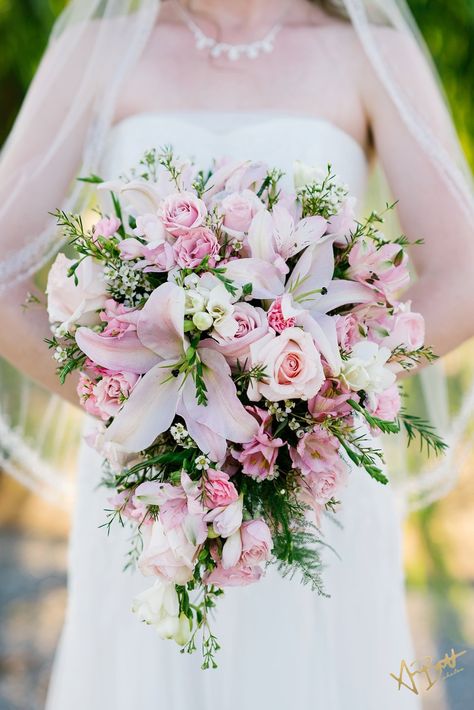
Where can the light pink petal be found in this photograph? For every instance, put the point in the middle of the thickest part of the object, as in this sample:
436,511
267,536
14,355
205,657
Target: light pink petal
323,330
260,237
149,411
341,293
308,231
210,443
161,322
313,271
195,529
232,550
125,353
264,277
224,413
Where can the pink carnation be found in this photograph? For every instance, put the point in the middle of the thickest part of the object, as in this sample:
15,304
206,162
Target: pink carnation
277,319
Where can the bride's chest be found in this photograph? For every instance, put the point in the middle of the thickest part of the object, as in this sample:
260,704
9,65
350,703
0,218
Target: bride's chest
276,139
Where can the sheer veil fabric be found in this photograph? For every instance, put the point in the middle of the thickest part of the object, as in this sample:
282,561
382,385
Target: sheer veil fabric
93,45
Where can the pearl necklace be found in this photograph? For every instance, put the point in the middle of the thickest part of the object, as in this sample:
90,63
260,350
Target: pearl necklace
233,52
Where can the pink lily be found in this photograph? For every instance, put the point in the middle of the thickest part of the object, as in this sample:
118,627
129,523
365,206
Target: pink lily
157,350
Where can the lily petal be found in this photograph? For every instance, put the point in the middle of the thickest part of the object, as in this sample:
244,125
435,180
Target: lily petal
341,292
224,413
149,410
260,237
324,333
160,325
123,354
232,550
210,443
264,277
313,271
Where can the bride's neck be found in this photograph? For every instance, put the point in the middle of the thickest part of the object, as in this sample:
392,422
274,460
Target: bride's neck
239,14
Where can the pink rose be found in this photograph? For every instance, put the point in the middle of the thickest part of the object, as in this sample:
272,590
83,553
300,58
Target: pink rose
112,391
191,248
316,451
257,542
292,366
386,405
318,488
167,554
237,576
259,456
238,210
106,227
218,489
382,268
407,329
181,212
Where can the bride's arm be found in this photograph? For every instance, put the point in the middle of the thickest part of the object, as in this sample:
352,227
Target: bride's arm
444,291
25,203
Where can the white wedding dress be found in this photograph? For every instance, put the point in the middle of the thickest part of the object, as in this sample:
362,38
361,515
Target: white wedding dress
283,647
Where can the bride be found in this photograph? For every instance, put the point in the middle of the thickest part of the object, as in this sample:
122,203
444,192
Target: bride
272,80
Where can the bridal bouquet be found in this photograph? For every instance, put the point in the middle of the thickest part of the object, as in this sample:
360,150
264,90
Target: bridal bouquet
232,335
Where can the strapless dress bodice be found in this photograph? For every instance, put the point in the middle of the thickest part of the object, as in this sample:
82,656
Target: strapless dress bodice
276,139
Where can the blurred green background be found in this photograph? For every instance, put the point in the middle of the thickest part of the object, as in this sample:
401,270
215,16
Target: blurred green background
439,539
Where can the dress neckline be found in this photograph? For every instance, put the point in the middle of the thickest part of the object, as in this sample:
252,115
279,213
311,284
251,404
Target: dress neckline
230,122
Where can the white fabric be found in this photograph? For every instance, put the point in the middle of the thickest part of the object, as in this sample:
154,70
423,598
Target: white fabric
282,646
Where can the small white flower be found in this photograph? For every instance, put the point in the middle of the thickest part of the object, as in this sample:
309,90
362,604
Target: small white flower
194,302
203,320
202,462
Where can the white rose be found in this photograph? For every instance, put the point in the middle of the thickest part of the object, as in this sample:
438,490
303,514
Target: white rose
158,606
69,304
366,369
304,174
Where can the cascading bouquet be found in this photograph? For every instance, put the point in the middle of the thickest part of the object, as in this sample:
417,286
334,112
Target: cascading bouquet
235,338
